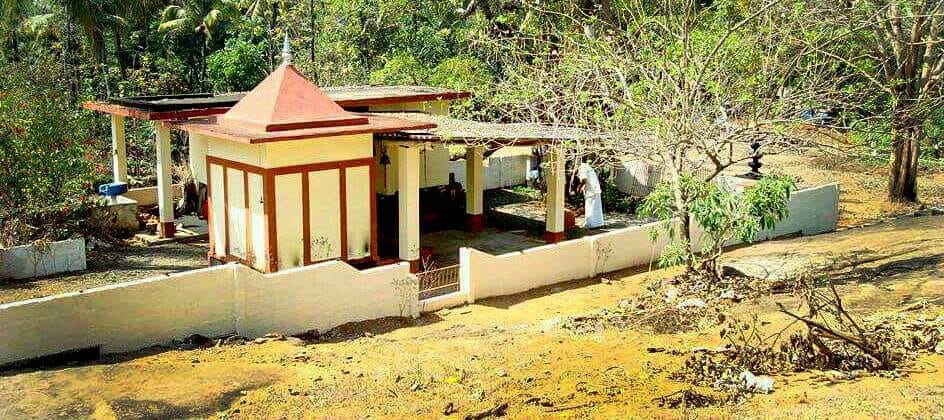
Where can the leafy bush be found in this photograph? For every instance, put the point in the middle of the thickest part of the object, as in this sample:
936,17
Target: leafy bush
47,158
615,200
461,73
724,215
400,70
239,66
529,192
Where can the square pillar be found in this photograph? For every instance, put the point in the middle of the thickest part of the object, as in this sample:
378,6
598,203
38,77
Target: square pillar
408,183
165,195
119,154
474,188
554,200
197,157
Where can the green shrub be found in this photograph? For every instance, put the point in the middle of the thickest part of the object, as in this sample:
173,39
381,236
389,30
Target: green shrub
400,70
724,215
48,158
239,66
615,200
461,73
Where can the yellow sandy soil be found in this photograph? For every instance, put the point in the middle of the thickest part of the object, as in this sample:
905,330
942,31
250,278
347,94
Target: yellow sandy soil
864,186
507,350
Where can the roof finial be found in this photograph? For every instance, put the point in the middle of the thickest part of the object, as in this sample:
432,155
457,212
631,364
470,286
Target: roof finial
286,51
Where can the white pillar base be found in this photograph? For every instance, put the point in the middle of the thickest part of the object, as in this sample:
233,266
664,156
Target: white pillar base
408,182
165,194
119,154
555,197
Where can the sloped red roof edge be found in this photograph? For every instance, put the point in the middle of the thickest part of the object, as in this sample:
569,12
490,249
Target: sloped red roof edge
211,127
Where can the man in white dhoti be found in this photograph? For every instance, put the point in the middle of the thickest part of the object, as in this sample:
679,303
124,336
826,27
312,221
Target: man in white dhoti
592,195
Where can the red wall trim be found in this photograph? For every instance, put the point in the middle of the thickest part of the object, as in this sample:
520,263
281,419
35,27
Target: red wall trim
306,219
268,192
342,176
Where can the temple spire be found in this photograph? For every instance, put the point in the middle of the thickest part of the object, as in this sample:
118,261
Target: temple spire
286,51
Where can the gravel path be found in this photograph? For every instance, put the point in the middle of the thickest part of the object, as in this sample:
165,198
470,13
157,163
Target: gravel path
109,265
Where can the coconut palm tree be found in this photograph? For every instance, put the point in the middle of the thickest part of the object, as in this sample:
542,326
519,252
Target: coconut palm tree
44,18
257,10
131,14
12,15
201,18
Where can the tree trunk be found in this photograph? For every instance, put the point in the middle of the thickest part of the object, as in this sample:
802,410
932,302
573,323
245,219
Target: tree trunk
203,64
314,40
685,233
15,47
68,65
903,168
119,51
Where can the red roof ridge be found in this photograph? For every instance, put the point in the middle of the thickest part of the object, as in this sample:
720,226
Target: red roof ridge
287,100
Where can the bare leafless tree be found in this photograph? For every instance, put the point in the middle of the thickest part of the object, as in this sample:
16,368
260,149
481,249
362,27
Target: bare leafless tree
896,48
674,83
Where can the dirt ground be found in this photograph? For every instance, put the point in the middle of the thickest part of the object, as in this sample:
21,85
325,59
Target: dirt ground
863,185
511,350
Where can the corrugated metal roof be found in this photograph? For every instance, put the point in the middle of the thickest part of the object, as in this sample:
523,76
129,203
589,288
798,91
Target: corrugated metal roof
452,129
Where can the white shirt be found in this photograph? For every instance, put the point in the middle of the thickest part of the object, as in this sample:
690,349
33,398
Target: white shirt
591,183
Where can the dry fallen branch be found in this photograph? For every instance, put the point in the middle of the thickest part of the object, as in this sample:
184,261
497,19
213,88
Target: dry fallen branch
819,329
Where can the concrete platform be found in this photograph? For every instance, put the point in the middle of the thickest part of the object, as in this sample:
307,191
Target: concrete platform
189,228
445,244
530,215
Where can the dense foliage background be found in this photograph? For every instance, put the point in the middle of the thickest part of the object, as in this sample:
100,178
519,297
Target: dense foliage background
57,53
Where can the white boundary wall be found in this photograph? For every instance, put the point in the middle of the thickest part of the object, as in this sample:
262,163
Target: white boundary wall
812,211
500,172
27,261
213,302
235,299
335,293
147,196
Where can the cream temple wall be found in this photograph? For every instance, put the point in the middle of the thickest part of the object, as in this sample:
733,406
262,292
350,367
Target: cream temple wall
247,230
295,152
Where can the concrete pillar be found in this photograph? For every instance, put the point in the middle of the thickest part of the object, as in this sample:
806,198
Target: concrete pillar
165,194
555,197
119,154
474,188
408,182
197,157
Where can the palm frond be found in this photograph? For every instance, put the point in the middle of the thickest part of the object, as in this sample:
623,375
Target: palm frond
173,25
172,13
212,19
39,26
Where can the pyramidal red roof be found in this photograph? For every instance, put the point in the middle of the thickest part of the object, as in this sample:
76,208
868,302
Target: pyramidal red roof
286,100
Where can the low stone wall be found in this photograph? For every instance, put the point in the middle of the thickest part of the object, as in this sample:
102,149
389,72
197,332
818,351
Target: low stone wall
812,211
637,178
213,302
27,261
121,317
436,303
520,271
630,247
332,294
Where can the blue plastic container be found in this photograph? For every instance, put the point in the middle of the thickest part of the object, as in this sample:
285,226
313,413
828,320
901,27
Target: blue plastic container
113,189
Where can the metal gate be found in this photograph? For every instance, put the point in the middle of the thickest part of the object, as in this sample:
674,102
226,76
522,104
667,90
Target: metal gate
438,282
